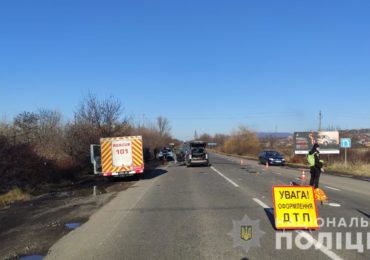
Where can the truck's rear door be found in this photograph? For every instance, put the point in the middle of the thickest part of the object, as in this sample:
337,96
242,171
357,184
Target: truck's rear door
95,156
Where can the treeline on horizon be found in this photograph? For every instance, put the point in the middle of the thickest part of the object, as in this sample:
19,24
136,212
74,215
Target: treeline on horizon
38,148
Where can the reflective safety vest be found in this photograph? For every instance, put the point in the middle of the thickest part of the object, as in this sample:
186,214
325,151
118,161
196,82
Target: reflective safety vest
311,159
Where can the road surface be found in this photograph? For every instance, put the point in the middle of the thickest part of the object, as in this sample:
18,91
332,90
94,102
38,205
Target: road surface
188,213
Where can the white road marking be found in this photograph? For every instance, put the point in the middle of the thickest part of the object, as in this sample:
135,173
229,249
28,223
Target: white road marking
319,246
334,204
308,237
263,205
278,173
332,188
233,183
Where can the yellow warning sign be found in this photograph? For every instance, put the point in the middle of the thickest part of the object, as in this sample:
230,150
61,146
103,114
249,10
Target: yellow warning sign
294,207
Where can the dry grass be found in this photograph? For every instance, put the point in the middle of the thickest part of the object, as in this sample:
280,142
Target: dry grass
358,169
15,194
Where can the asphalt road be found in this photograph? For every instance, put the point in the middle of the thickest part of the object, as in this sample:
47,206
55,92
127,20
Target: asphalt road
189,213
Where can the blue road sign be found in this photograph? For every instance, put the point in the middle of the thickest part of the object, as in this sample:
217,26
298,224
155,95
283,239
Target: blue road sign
345,143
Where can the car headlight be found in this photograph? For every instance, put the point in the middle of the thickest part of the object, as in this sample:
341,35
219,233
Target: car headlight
271,159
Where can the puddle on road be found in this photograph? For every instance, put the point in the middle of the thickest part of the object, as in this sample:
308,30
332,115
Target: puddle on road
32,257
72,225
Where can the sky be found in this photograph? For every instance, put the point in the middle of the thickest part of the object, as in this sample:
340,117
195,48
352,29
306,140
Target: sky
208,66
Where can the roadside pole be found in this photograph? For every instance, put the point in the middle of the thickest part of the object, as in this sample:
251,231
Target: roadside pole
345,143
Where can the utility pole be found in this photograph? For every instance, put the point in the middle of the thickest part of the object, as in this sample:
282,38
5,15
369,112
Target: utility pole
320,119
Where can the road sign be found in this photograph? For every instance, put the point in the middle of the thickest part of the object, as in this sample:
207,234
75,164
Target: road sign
345,143
294,207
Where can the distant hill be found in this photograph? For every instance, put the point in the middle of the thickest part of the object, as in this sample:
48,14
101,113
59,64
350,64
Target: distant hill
355,131
273,134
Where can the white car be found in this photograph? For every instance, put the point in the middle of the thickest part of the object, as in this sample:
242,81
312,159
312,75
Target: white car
326,140
165,153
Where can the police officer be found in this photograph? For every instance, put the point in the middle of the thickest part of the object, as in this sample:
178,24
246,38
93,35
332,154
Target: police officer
316,164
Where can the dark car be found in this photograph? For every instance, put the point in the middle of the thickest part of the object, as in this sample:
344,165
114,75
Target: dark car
271,158
195,153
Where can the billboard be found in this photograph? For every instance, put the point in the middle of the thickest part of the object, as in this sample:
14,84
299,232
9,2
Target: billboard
328,141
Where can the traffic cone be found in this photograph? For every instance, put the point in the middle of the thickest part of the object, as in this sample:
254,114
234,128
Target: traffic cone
241,163
303,176
267,165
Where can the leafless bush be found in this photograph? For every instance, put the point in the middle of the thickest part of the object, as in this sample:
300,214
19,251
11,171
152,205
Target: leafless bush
20,166
94,119
242,142
298,159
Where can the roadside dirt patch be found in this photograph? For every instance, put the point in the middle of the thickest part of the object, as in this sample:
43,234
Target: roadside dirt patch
32,227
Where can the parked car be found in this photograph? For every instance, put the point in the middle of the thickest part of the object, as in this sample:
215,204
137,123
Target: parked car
195,153
271,158
165,153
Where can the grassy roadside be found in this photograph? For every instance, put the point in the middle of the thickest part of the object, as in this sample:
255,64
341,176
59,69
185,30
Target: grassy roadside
353,169
357,169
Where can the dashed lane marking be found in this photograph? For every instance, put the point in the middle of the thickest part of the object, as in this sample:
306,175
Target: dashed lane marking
332,188
263,205
226,178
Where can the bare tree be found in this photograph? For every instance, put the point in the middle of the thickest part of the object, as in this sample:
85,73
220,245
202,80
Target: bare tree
49,142
220,139
164,126
206,137
94,119
26,126
49,125
271,141
102,115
